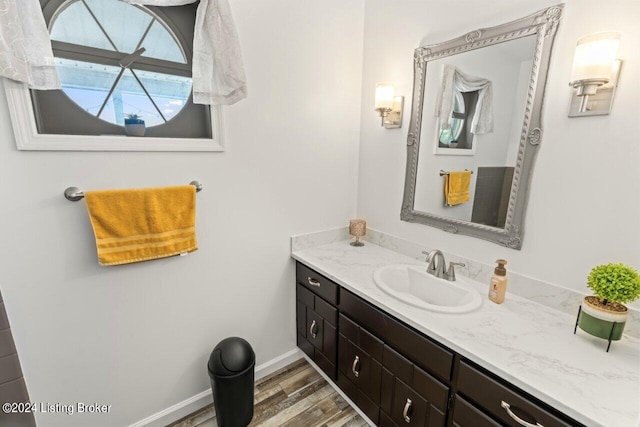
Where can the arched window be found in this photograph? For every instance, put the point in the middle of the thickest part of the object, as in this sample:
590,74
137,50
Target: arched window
115,59
100,48
459,135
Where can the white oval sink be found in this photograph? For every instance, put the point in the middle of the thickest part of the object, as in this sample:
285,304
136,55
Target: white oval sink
412,285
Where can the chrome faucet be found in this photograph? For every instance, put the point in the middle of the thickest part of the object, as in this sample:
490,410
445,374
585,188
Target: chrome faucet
436,265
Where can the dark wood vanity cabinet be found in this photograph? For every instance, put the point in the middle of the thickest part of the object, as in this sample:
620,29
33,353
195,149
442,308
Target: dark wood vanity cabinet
360,366
317,319
423,351
466,415
410,396
317,283
398,376
489,394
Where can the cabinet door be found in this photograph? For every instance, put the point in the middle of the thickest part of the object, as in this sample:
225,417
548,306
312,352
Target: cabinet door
407,406
301,328
301,318
315,325
359,367
385,421
316,329
410,396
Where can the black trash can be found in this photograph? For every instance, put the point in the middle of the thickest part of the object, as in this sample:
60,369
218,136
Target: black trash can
231,370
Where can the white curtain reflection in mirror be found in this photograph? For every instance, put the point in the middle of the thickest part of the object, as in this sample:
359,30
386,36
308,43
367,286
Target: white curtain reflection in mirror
455,82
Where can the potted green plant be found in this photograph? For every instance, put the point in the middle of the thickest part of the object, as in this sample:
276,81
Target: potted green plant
134,125
604,314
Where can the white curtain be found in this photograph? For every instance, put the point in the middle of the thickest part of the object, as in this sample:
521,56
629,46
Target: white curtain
218,72
455,80
25,48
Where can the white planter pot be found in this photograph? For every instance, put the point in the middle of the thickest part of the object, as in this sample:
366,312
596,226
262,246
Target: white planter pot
134,129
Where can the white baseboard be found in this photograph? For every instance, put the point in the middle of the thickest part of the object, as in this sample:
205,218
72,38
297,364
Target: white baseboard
200,400
177,411
279,362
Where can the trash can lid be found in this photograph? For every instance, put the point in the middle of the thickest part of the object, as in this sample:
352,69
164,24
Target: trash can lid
230,356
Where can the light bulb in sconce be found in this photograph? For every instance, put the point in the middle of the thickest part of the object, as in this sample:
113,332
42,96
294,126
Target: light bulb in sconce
594,74
357,229
384,100
388,106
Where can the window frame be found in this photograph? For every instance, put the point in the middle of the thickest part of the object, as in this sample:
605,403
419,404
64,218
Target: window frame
27,137
466,137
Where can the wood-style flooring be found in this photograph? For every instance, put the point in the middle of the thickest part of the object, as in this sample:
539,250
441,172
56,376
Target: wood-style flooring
295,396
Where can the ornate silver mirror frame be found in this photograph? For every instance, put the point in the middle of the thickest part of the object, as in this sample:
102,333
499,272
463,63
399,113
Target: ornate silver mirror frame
543,25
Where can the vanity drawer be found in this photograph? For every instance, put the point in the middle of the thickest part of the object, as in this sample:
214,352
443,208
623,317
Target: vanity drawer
317,283
489,394
422,351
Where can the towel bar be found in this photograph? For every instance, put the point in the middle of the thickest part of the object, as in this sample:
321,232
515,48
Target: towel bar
442,173
74,193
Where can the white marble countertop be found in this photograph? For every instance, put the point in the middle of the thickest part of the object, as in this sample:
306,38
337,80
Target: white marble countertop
528,344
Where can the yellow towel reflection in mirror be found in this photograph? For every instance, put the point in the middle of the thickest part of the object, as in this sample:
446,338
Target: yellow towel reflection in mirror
456,187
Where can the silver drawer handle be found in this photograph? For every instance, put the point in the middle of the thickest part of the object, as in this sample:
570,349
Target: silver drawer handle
313,282
354,367
313,325
516,418
405,411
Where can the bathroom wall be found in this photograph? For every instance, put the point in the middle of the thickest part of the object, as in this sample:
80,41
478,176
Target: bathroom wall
584,202
137,337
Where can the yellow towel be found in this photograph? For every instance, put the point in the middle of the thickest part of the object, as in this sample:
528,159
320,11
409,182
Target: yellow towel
456,187
142,224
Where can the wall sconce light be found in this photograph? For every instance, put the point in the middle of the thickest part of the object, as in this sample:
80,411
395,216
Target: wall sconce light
388,106
595,74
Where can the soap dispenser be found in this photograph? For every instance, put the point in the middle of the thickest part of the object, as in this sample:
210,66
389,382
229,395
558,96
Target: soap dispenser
498,285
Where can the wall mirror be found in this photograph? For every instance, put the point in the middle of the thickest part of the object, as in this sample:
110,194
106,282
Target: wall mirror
477,104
